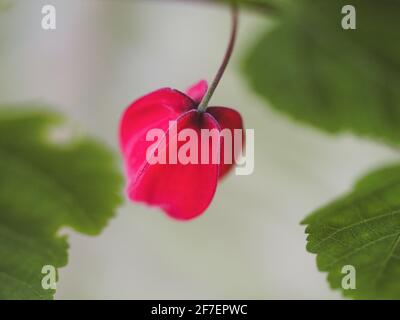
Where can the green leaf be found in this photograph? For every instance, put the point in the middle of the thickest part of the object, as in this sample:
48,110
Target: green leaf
5,4
337,80
46,185
361,229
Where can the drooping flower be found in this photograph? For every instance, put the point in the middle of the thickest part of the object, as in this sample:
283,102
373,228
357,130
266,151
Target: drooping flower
183,191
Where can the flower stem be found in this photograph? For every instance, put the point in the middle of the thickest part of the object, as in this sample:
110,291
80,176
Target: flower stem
204,102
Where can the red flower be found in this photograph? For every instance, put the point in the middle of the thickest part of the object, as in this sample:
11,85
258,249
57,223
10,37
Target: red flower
183,191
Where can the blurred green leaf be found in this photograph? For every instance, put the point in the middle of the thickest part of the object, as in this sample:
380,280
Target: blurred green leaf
47,183
5,4
337,80
361,229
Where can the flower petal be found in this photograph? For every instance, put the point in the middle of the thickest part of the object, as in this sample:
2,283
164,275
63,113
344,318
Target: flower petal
230,119
183,191
197,91
153,110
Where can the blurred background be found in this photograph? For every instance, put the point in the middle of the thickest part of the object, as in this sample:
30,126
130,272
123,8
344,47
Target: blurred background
249,244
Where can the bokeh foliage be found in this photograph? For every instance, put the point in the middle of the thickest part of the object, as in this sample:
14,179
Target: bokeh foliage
311,69
337,80
47,183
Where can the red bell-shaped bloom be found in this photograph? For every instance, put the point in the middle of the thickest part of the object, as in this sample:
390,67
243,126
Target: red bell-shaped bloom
182,190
